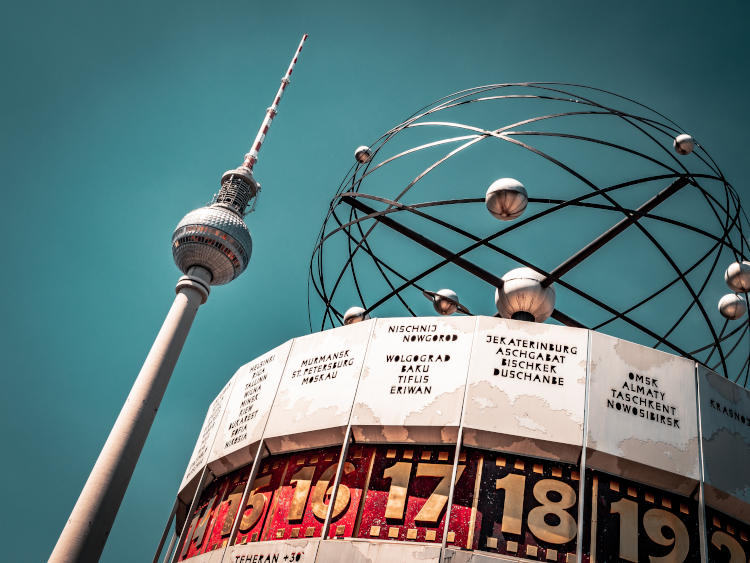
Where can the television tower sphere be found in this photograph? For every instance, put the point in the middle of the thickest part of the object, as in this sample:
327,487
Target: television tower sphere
732,306
506,199
363,154
684,144
216,238
523,298
355,315
737,276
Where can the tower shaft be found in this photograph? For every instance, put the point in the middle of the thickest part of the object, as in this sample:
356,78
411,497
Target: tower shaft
91,520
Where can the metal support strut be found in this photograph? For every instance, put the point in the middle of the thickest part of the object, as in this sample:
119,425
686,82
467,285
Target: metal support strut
470,267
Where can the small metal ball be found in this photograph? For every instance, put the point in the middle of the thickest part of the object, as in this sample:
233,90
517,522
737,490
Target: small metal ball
506,199
522,296
355,315
363,154
732,306
684,144
445,302
737,276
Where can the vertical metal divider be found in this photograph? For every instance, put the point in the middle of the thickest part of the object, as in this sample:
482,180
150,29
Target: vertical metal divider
170,547
256,464
166,531
582,468
456,454
459,441
345,448
245,494
337,480
594,516
186,525
475,503
702,530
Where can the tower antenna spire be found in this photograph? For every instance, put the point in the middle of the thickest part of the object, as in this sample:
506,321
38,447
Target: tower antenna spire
252,157
238,186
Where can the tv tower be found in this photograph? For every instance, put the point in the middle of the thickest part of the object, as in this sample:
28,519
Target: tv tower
211,246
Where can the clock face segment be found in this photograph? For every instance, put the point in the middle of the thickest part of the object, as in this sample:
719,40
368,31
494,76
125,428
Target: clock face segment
725,427
247,409
625,520
408,492
316,393
642,408
413,380
207,434
527,382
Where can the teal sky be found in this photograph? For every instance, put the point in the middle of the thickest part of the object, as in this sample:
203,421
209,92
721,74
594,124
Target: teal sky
118,118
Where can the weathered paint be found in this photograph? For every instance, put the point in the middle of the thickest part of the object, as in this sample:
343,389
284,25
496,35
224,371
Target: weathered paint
314,400
247,410
295,551
356,551
642,419
412,383
527,387
203,446
725,429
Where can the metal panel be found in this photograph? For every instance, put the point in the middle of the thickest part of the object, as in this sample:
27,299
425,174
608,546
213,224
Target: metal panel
407,495
526,508
356,551
247,410
299,506
217,536
314,400
413,381
286,551
526,389
627,521
261,497
728,539
205,558
199,531
471,557
725,428
642,414
206,437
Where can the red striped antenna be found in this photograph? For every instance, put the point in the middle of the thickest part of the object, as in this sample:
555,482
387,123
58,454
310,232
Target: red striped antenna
252,157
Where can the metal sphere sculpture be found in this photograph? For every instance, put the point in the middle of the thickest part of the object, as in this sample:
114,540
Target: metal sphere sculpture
522,296
506,199
215,237
355,315
629,217
683,144
732,306
362,154
445,302
737,276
